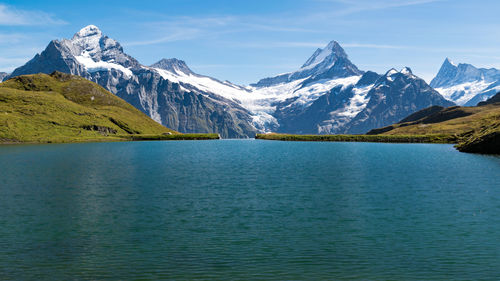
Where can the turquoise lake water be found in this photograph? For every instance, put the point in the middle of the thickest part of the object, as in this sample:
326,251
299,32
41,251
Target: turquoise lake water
248,209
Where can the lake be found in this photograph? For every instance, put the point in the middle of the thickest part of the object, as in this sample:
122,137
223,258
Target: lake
248,209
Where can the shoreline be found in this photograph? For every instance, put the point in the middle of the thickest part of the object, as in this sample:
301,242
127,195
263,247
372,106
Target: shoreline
119,138
444,139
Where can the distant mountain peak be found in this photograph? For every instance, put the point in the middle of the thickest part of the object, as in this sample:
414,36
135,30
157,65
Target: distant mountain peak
92,40
406,70
173,65
327,63
447,61
391,72
332,51
466,84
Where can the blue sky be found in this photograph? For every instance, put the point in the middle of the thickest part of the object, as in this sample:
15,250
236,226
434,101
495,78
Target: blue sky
243,41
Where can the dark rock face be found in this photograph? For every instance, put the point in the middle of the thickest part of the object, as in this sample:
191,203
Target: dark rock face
391,97
485,142
57,56
180,108
394,97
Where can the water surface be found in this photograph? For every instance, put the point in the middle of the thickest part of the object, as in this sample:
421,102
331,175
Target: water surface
237,209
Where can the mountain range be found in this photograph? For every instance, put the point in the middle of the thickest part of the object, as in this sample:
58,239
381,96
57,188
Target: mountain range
158,91
465,84
328,94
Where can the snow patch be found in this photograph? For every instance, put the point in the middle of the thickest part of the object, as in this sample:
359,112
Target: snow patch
95,66
357,103
462,93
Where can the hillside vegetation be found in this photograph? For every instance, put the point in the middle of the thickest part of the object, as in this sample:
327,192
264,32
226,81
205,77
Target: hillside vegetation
476,129
66,108
360,138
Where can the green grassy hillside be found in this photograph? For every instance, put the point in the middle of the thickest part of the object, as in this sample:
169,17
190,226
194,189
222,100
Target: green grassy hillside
476,129
66,108
360,138
458,121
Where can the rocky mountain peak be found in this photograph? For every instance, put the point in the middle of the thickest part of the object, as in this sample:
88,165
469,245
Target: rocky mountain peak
173,65
327,63
446,73
330,53
91,40
448,63
406,70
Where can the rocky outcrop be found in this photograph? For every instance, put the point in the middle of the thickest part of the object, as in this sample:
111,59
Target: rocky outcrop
485,141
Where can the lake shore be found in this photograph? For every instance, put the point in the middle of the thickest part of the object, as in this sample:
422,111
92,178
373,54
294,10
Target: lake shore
116,138
362,138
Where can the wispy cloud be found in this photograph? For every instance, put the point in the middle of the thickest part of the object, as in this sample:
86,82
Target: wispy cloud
306,44
175,35
12,16
373,46
356,6
184,28
181,29
11,38
272,45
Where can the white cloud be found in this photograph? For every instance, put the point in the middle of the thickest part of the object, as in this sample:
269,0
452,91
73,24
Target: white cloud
13,16
372,46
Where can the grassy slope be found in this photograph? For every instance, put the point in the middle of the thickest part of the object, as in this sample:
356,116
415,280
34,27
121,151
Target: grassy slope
478,117
360,138
477,132
66,108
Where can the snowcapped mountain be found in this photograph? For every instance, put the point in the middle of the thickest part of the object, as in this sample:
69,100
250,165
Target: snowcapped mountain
329,62
465,84
359,103
328,94
169,92
3,75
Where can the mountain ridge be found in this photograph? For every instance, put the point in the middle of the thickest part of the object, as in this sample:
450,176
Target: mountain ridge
94,56
328,94
465,84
